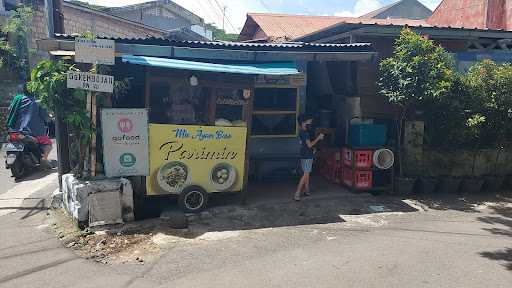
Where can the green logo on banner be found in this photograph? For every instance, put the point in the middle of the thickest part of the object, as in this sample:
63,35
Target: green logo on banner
127,160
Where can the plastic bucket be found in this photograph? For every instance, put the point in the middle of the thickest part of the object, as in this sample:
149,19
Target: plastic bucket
383,159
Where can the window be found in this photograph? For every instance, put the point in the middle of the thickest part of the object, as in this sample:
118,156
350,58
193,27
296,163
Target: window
275,112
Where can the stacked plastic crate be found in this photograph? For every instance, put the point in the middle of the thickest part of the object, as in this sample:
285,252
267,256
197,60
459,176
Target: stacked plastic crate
330,164
357,168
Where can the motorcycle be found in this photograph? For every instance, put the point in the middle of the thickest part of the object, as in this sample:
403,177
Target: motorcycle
23,154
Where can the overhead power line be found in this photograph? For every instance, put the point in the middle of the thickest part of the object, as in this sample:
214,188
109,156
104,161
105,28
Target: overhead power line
222,10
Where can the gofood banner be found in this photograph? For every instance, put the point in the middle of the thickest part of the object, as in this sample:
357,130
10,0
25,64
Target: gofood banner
211,157
125,142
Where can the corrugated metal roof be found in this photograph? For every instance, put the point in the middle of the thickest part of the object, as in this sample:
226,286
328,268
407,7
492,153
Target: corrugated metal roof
478,14
354,23
293,27
289,46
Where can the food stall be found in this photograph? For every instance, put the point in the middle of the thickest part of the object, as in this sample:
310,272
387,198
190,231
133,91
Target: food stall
198,126
212,107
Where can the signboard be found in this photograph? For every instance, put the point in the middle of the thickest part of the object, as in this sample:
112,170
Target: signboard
91,82
95,51
211,157
296,80
125,142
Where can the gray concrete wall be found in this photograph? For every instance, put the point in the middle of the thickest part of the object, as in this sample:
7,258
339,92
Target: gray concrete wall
155,19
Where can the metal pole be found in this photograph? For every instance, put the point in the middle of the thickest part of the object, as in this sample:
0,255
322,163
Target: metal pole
55,18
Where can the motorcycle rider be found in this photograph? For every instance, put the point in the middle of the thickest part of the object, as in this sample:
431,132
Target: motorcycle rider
27,117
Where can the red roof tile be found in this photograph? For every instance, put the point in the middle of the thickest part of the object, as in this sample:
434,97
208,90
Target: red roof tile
289,27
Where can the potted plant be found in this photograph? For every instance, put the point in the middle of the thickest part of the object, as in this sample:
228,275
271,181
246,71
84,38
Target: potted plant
419,72
427,183
448,183
472,184
494,181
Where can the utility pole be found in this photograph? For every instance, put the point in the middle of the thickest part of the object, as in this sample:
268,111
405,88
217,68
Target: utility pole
58,17
55,22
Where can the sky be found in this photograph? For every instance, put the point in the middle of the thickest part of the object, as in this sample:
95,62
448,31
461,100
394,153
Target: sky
236,10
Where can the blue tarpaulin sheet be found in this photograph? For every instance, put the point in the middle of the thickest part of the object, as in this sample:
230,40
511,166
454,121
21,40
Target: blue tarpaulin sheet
281,68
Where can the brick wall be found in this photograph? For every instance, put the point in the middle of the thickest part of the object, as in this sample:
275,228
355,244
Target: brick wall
80,20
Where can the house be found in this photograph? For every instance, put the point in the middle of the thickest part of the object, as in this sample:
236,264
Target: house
470,32
283,27
405,9
213,77
77,19
483,14
165,15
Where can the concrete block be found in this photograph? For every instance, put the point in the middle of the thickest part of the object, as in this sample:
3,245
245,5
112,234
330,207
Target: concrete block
57,199
105,208
77,196
127,200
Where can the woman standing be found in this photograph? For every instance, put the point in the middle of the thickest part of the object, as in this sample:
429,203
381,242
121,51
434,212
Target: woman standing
307,154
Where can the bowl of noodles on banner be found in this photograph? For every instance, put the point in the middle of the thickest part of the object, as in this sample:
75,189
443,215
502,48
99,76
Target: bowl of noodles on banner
173,176
223,177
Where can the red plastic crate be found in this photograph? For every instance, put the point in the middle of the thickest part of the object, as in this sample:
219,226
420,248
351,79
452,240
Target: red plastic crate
347,176
363,159
363,180
346,156
360,180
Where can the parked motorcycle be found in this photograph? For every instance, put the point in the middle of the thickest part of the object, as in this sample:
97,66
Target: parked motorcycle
23,154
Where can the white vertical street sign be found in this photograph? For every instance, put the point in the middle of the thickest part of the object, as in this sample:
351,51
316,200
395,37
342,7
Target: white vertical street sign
95,51
125,142
91,82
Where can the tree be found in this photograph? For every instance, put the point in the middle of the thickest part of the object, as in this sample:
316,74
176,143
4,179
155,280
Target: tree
14,52
220,34
419,72
489,93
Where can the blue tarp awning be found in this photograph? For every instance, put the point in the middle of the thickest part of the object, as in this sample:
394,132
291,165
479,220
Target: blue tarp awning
281,68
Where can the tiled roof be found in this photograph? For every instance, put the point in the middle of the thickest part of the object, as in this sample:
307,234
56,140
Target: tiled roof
289,27
283,26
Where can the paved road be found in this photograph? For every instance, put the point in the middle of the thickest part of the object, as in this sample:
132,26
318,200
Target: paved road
7,182
463,245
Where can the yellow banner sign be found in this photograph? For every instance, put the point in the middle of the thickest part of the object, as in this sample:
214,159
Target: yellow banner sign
211,157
